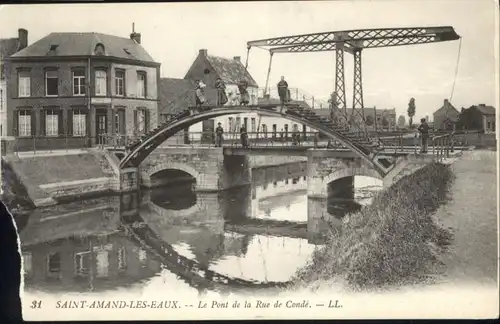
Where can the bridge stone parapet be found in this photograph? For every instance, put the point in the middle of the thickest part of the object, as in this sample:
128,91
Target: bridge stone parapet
212,170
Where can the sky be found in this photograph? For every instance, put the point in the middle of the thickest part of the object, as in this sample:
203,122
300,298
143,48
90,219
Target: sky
173,33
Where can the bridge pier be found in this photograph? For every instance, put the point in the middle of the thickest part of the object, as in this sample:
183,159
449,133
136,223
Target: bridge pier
129,179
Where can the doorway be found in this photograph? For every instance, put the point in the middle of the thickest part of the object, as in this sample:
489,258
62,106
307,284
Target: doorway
101,125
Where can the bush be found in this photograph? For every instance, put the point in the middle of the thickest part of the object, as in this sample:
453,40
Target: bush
14,195
391,242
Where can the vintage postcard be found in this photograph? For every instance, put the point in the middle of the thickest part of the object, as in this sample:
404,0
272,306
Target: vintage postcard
252,160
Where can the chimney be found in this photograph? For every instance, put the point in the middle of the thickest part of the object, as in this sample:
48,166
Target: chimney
237,58
203,52
23,38
135,36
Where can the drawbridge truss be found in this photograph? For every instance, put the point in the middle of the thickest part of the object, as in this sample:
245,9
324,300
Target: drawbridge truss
352,42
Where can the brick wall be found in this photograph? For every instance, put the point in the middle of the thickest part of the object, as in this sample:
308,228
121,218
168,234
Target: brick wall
66,101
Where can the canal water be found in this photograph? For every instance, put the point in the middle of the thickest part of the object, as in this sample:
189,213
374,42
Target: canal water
115,245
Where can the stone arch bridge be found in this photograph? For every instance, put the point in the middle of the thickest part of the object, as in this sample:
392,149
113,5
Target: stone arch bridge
214,169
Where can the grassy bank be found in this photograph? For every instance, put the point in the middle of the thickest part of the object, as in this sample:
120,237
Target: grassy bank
393,241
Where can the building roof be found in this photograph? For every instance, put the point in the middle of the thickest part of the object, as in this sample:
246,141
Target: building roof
8,46
175,95
83,44
486,110
446,109
230,70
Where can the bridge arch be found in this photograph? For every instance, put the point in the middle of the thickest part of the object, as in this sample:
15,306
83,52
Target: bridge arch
141,151
146,175
362,170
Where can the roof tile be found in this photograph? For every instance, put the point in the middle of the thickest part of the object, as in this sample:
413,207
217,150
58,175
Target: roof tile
230,71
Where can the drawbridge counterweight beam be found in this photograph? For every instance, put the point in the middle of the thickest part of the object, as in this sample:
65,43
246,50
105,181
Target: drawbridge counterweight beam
437,34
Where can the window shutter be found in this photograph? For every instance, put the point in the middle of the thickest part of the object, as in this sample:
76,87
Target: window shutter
43,129
146,120
60,122
135,122
15,126
33,122
87,124
122,122
70,122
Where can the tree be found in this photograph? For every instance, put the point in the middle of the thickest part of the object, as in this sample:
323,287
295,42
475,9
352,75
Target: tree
369,120
385,122
411,110
401,121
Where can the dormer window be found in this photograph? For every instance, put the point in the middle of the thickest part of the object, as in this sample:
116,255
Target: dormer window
99,49
126,51
53,47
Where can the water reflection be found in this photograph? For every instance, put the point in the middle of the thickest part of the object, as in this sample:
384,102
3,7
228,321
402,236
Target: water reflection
253,236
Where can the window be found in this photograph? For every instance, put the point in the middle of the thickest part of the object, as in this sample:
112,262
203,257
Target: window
51,122
286,130
238,123
79,82
27,263
295,127
79,123
231,124
102,264
24,121
254,129
264,130
82,263
51,83
24,84
141,85
54,262
120,121
1,99
141,121
275,129
120,83
122,262
100,83
143,257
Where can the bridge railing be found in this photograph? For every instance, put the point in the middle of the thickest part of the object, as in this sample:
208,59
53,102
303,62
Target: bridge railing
298,95
443,145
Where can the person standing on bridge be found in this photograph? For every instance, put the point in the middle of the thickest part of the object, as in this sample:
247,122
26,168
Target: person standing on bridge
219,131
221,92
200,96
424,134
316,139
244,96
243,136
283,91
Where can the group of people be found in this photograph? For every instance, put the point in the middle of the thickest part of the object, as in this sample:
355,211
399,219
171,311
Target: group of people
222,97
244,96
219,132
